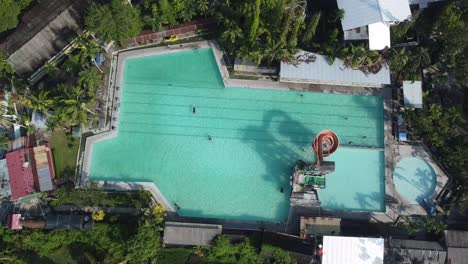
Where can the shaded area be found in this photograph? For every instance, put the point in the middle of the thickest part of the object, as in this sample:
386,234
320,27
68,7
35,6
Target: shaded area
414,179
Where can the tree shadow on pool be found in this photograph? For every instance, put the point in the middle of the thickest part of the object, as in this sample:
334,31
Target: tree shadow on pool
424,181
281,151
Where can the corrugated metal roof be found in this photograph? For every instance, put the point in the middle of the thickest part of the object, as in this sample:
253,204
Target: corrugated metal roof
412,93
356,250
457,255
69,222
20,171
455,238
44,169
336,74
176,233
44,30
360,13
45,182
416,251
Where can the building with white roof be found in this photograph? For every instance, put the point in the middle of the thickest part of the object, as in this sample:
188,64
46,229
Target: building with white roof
356,250
371,19
412,94
321,72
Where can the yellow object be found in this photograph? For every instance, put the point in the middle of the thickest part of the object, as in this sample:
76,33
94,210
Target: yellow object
158,213
98,215
173,38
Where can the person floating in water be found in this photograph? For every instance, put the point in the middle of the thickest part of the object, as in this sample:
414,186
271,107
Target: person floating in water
177,206
209,137
194,110
350,143
346,118
281,190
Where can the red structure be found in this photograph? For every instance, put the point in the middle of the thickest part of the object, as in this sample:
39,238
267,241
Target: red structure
21,173
14,222
31,170
324,144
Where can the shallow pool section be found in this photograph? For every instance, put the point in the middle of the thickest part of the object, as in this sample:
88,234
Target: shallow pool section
414,179
173,104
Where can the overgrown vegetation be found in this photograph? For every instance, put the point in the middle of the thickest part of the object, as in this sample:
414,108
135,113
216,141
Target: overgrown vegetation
9,12
443,56
222,251
93,196
116,20
431,226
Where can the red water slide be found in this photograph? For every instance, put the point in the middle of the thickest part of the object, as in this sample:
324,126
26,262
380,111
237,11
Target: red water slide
324,144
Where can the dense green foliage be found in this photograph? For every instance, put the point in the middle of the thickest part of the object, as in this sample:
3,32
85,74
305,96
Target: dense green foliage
265,31
9,11
108,242
72,100
174,255
5,68
114,21
95,197
442,123
159,13
135,239
222,251
431,226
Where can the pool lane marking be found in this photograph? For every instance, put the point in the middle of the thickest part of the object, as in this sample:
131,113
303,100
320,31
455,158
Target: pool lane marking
241,129
247,99
224,137
251,110
242,119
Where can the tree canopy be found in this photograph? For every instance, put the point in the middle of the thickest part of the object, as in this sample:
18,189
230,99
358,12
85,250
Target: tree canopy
9,11
114,21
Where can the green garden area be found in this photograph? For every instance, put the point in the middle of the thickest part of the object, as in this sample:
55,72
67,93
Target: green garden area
64,151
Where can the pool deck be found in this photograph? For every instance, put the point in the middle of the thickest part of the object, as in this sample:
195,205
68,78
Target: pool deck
393,151
404,207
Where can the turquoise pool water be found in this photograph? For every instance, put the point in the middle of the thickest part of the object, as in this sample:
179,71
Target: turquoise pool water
257,136
414,179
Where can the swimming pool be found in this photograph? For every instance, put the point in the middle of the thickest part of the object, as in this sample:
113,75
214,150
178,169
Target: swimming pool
256,138
414,179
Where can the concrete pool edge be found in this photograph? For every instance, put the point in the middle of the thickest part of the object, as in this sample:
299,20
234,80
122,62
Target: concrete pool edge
118,62
419,151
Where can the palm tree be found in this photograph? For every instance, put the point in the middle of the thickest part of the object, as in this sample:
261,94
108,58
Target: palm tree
73,106
87,47
90,79
277,51
359,57
203,6
419,59
40,100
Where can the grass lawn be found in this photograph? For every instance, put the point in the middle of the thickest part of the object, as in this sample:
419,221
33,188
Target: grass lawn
64,151
174,255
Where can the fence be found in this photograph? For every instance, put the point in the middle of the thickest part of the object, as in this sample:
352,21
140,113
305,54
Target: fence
182,31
